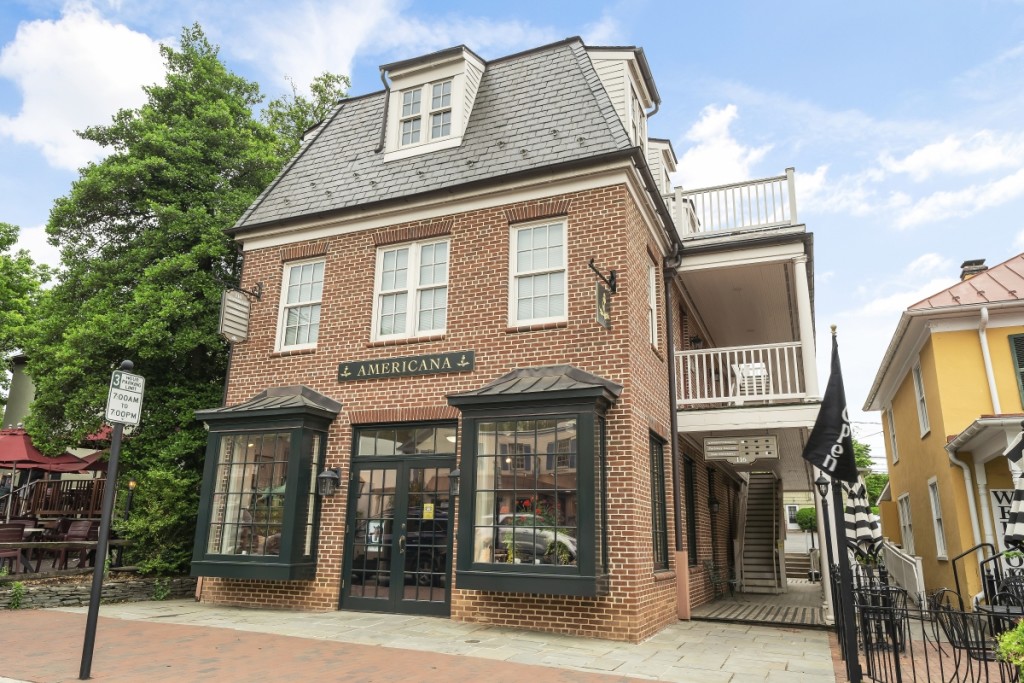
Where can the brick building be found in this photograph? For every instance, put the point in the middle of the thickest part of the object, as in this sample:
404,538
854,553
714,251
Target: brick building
474,298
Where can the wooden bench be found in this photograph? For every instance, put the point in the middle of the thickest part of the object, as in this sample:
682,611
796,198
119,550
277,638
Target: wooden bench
60,545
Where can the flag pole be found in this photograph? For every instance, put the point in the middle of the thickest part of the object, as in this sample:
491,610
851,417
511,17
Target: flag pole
829,447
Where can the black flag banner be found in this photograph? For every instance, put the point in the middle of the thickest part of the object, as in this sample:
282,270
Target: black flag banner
830,446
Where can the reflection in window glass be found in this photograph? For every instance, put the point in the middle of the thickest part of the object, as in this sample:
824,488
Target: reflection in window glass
526,508
248,501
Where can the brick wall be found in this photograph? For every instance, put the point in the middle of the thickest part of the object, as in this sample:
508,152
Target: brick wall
603,224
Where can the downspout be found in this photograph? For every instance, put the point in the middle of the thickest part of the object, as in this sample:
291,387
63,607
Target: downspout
986,515
971,502
669,272
384,123
682,563
989,375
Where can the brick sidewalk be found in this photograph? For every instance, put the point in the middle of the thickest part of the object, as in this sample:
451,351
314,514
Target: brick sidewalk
46,647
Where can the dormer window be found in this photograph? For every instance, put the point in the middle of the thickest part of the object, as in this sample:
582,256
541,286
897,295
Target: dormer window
411,117
439,115
441,109
430,102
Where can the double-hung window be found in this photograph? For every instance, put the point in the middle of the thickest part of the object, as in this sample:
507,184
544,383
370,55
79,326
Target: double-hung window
538,274
906,523
652,303
412,290
438,116
892,435
411,120
922,405
659,525
1017,352
940,530
300,305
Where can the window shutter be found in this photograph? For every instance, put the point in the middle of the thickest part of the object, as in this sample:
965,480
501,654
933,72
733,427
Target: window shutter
1017,350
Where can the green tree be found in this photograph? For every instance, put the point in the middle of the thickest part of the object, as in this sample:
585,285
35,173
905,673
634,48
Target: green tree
20,279
144,260
873,481
291,116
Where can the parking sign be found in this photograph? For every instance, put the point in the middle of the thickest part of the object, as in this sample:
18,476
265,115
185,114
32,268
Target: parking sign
124,402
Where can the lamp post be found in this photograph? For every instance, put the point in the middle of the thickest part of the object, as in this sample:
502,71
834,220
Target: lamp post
822,484
131,496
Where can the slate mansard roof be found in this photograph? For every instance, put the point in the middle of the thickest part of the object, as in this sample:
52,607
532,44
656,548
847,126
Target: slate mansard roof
538,109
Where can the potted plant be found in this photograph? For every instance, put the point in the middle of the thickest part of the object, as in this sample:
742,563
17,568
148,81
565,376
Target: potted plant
1010,647
807,520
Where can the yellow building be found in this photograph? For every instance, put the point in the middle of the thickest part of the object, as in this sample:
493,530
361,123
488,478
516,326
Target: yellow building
951,396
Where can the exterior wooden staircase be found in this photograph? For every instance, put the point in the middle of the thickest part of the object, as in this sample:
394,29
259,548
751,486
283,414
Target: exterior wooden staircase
760,536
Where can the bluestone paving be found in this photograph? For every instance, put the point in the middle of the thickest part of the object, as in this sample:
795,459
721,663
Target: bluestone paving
210,642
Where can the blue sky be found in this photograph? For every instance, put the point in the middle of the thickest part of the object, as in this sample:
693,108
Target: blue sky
903,120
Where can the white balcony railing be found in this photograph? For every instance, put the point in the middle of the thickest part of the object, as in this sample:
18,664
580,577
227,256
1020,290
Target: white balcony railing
751,205
738,375
905,570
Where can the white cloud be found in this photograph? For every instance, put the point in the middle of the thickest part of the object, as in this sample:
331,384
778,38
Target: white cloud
72,73
34,241
855,194
716,157
604,31
300,41
928,263
982,151
962,203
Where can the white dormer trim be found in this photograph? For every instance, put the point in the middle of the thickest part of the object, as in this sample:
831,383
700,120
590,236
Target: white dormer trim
622,76
463,70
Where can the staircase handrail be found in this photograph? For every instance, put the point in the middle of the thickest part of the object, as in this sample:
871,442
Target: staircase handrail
742,512
778,557
904,569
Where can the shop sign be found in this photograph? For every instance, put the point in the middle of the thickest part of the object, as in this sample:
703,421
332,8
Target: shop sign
604,306
741,450
407,366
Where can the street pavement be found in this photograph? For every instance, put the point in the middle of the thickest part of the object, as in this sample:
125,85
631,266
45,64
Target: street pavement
181,640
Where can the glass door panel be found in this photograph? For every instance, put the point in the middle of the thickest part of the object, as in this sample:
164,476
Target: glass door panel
428,535
372,540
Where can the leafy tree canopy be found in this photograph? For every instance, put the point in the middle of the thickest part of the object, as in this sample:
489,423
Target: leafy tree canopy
873,481
291,116
20,279
144,260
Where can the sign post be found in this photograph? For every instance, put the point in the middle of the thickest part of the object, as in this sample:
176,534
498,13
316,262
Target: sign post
124,406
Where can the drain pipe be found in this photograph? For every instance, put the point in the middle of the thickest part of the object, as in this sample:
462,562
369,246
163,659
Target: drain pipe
682,564
989,375
971,502
384,123
986,515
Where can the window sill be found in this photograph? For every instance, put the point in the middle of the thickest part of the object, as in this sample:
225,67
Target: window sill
292,352
536,327
404,341
664,575
533,583
269,571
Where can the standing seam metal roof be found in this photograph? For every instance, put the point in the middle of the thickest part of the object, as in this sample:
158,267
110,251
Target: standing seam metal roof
542,108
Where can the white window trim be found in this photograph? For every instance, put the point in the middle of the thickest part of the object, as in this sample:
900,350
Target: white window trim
906,518
892,435
922,403
941,549
283,304
652,303
424,81
412,288
512,274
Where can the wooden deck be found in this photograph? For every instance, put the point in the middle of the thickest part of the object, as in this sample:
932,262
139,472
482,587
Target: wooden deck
800,607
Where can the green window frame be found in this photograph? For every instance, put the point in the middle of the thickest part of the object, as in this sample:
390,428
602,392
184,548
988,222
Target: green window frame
1017,352
659,521
560,549
259,515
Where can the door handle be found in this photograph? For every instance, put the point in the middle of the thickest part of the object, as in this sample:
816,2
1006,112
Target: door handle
401,544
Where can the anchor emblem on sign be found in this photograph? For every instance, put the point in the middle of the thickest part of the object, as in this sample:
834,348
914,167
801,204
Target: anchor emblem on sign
345,372
462,361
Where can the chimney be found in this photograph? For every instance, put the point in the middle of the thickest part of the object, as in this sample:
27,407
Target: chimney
969,269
